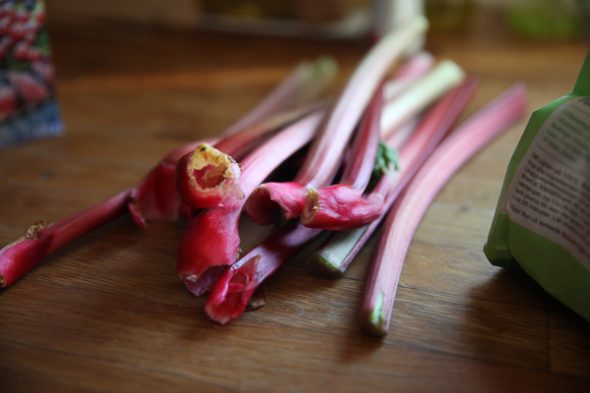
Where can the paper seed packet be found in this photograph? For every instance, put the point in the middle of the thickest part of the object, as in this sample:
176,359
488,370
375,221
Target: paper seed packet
542,221
28,107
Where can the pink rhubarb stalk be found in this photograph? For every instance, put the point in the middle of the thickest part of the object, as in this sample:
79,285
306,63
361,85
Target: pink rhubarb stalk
411,70
362,210
324,158
211,241
407,213
328,207
17,258
232,292
338,252
156,196
304,84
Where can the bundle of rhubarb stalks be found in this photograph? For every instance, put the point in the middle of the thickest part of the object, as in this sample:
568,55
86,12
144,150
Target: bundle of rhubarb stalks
379,152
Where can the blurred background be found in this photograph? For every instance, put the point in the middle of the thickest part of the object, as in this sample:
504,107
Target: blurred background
118,38
327,18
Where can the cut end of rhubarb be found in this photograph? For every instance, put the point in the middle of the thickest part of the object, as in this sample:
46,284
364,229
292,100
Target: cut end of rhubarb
273,201
209,167
232,292
373,321
20,256
206,177
324,266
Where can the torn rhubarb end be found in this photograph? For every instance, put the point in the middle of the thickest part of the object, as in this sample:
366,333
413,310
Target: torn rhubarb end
20,256
373,320
155,198
229,297
232,292
207,176
209,245
340,207
273,201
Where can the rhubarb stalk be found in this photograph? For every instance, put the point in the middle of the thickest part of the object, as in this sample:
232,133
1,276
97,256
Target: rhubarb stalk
231,293
421,93
411,70
155,197
207,174
39,240
324,157
407,213
304,84
211,241
327,207
336,254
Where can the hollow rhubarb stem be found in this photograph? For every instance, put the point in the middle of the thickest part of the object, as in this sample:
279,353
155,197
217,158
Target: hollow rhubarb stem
327,207
211,241
17,258
407,213
338,252
207,175
231,293
324,158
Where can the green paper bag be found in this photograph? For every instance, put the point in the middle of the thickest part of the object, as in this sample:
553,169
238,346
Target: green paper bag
542,221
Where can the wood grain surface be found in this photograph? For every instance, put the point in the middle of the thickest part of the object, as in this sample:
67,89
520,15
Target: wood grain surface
108,314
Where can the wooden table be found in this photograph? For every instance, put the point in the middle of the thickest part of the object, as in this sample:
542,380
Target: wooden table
108,314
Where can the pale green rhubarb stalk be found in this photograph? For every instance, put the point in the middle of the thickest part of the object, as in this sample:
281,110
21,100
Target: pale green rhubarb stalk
323,160
339,250
418,94
403,220
409,71
155,197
